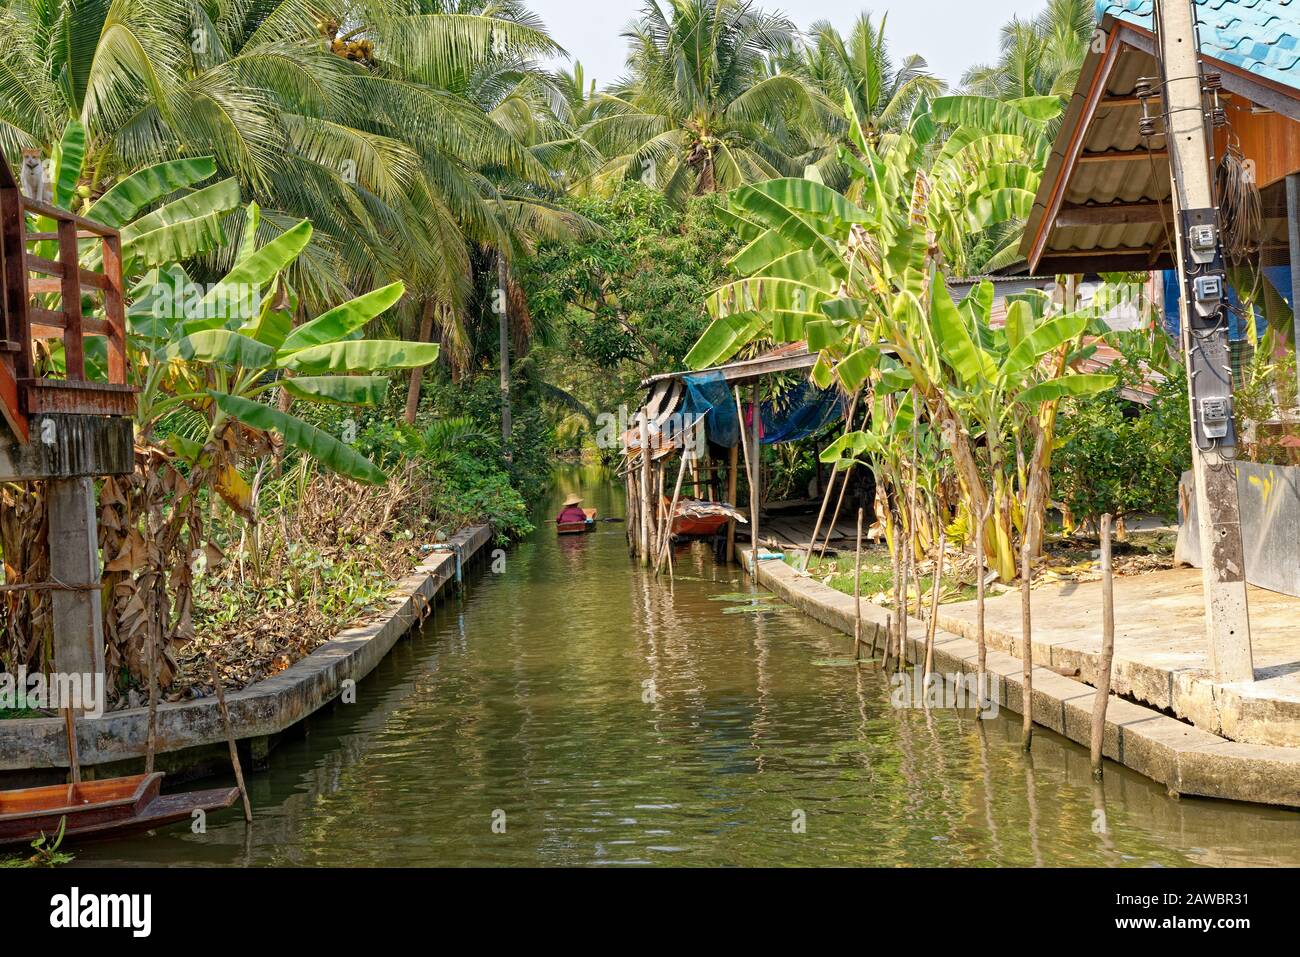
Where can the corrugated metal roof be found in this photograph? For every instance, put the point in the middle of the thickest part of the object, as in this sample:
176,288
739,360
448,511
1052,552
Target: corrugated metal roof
1260,36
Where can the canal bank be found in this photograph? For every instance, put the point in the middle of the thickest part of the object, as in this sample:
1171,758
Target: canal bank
191,735
1185,759
567,708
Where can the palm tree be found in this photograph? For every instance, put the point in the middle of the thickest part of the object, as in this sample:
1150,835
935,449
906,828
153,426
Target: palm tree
701,110
861,68
1041,56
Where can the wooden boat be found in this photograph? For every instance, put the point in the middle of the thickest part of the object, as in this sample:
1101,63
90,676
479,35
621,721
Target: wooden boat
578,528
687,526
95,808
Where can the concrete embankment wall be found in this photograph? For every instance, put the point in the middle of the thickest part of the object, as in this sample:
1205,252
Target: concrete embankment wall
1187,760
191,736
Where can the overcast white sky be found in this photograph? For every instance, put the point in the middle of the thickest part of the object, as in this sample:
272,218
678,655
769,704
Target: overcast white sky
951,34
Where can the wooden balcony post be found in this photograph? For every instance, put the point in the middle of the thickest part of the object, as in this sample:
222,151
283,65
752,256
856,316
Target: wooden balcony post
12,229
74,344
115,310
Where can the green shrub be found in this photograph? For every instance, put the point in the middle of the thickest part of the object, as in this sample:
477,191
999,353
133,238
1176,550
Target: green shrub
1116,456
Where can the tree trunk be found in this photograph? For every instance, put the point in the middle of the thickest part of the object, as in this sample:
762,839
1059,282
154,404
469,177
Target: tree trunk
417,375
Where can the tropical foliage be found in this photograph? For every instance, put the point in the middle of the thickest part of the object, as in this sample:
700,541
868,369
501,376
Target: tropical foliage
701,111
867,287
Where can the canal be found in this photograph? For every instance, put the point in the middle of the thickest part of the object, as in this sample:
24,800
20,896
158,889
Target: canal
569,710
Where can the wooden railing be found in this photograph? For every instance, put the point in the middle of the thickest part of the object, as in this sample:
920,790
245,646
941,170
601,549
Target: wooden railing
43,300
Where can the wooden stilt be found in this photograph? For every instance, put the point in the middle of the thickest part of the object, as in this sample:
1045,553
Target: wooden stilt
821,516
844,485
230,739
753,496
666,547
1102,698
151,740
857,596
981,572
733,476
756,449
1026,642
74,760
933,623
646,466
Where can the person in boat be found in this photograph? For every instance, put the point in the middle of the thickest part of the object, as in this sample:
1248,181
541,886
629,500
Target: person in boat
572,511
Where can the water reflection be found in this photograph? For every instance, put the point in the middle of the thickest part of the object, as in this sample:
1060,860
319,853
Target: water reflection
604,719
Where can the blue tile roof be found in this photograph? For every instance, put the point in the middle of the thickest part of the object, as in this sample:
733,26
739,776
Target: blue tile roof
1261,36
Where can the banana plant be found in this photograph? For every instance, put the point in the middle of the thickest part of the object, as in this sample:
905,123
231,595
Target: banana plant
183,219
222,358
865,285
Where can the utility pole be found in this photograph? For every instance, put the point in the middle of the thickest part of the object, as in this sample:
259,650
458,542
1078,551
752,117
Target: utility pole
1204,313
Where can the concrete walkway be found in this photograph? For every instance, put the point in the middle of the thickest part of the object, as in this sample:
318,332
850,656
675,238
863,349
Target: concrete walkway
1160,649
1186,759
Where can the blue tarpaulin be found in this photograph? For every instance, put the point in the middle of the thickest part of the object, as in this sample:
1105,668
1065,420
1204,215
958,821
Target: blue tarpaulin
802,411
707,395
1278,276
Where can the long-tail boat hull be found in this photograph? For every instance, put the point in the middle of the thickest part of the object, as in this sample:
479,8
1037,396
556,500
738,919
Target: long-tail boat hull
95,808
578,528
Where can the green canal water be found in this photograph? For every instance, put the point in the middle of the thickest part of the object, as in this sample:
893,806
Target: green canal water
571,711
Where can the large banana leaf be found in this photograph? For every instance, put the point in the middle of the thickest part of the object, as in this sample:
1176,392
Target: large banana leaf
343,320
68,161
854,369
1075,385
755,295
248,241
145,187
340,390
223,346
959,349
172,242
1039,341
256,270
723,339
220,197
986,113
361,355
818,202
1000,206
321,446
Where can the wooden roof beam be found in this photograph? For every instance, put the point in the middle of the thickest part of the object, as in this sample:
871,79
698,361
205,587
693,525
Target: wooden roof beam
1123,156
1114,214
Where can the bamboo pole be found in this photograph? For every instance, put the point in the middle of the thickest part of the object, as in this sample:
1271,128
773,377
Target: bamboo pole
749,474
934,605
844,486
1026,639
756,449
895,638
981,573
151,741
821,515
857,596
645,490
230,739
733,475
74,760
666,547
1102,697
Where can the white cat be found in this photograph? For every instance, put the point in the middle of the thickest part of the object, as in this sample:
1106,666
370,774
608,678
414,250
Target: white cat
34,178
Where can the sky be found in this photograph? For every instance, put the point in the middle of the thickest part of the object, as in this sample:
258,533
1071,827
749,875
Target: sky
952,35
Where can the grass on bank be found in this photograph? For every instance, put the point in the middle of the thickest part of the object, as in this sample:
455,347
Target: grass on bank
877,577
